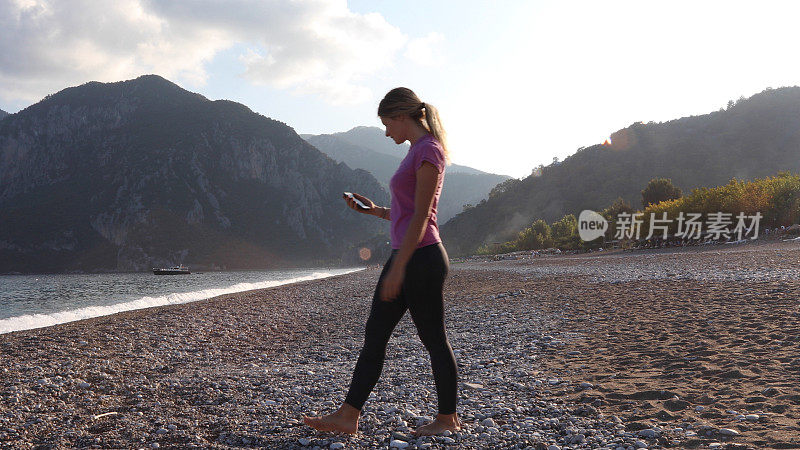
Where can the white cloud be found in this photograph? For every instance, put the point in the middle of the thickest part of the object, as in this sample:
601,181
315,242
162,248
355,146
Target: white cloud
314,47
48,45
426,51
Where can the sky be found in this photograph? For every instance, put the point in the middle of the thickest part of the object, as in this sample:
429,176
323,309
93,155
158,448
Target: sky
517,83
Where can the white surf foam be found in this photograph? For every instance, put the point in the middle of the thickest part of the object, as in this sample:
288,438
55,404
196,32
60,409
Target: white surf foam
31,321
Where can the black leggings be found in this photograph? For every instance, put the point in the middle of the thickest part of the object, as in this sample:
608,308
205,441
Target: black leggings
421,293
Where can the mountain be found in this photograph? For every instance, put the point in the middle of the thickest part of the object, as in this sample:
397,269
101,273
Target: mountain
368,148
375,140
372,138
2,114
753,137
141,173
380,165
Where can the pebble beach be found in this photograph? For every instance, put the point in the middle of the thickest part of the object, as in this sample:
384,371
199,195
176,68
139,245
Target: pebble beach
671,348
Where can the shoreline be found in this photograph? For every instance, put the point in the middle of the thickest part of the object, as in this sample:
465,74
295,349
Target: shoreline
549,353
34,321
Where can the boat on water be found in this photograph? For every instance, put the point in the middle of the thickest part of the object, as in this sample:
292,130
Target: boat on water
177,270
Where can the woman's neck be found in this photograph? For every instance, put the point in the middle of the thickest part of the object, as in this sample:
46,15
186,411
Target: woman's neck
417,133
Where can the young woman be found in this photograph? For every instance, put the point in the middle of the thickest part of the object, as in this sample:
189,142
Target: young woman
413,277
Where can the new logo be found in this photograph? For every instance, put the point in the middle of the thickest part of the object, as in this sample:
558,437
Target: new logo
591,225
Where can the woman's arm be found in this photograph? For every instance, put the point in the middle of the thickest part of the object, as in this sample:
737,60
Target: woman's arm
427,180
380,212
383,212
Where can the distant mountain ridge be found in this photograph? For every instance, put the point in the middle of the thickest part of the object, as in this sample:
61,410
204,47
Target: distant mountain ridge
130,175
374,138
368,148
2,114
754,137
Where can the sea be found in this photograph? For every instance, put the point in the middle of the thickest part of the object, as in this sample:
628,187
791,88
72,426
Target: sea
35,301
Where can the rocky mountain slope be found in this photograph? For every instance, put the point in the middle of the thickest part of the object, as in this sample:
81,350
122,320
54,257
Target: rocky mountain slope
130,175
754,137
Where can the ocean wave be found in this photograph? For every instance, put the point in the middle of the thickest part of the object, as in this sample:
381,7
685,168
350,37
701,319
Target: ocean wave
31,321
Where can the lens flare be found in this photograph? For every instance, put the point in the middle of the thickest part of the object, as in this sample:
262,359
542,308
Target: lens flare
365,253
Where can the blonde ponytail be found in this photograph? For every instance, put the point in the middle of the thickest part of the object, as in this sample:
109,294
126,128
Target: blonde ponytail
403,101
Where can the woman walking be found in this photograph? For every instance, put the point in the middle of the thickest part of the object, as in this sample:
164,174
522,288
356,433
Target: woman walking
413,277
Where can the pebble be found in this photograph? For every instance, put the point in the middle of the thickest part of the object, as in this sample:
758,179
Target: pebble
336,446
488,422
304,442
401,436
577,439
728,432
648,433
398,444
640,444
752,417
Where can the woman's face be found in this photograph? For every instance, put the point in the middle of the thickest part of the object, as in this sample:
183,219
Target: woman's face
396,128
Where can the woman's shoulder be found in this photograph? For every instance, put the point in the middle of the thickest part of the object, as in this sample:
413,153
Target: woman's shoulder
427,143
428,148
429,139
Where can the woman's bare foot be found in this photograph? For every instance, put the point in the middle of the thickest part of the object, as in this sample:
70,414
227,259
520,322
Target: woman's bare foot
344,420
442,423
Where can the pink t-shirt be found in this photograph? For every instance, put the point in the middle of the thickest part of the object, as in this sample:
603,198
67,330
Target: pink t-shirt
403,185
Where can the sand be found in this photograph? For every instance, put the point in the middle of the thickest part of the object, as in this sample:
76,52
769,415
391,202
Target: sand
705,337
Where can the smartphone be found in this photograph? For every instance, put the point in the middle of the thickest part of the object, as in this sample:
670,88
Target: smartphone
358,202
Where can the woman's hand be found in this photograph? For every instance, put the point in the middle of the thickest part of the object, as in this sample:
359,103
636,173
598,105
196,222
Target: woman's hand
390,288
367,202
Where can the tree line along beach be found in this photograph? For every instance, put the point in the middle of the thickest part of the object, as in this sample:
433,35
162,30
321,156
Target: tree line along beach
687,348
